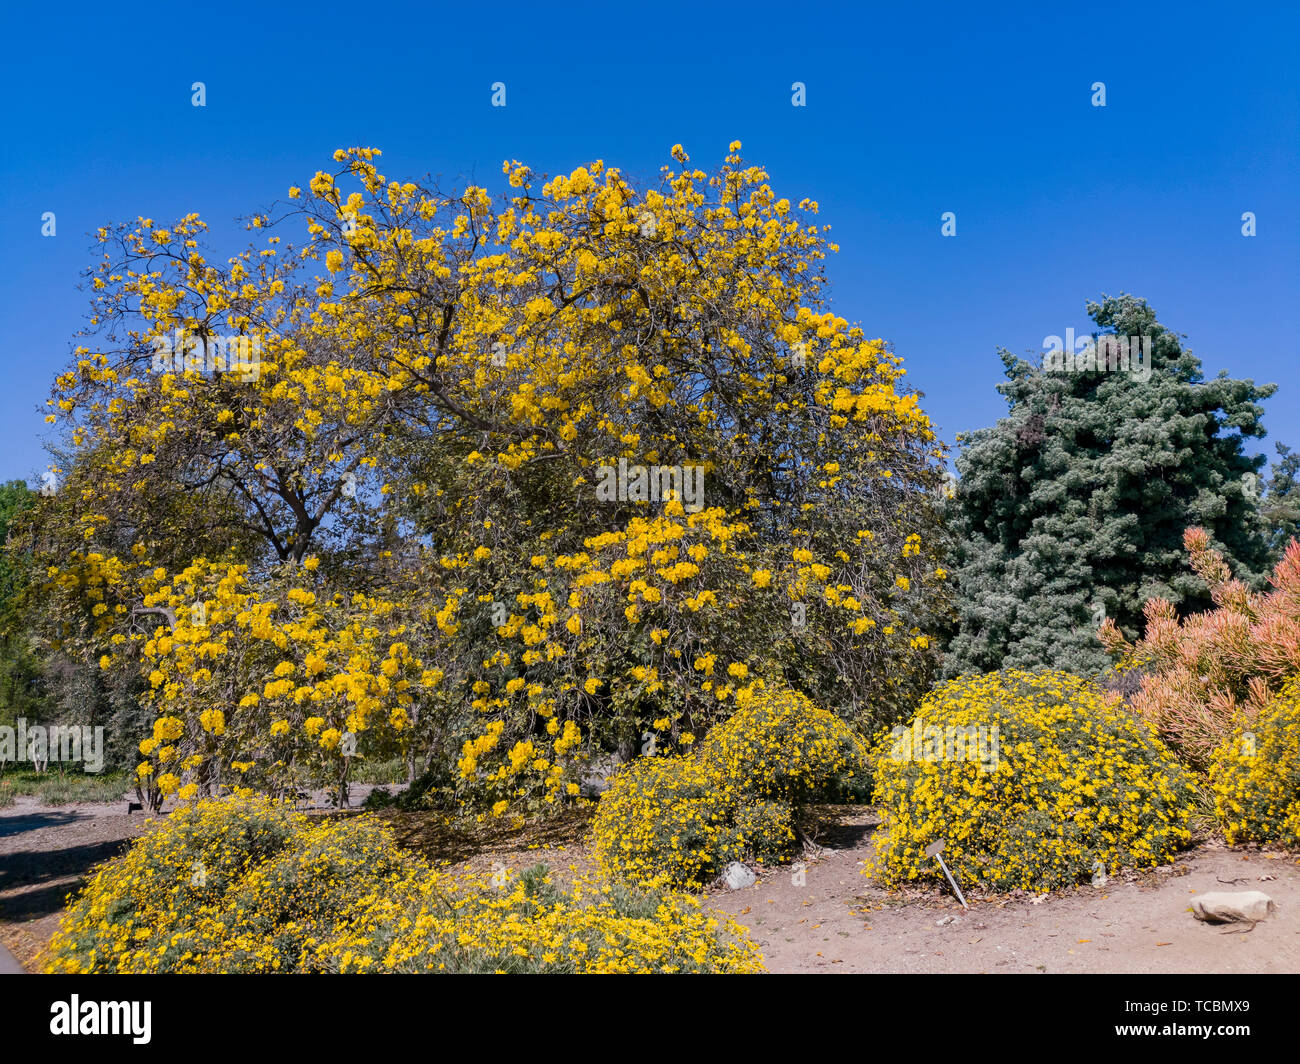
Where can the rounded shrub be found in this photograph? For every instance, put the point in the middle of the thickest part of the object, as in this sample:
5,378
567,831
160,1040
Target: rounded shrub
664,821
777,744
245,885
239,884
1033,779
679,821
1255,775
139,913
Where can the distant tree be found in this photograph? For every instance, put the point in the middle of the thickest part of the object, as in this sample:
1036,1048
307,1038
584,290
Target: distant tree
15,497
1072,508
40,680
1280,503
21,693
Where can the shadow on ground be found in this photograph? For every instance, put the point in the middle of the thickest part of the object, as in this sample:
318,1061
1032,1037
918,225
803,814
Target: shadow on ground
430,835
27,867
18,824
841,827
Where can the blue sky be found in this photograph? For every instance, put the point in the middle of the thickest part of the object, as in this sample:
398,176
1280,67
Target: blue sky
912,110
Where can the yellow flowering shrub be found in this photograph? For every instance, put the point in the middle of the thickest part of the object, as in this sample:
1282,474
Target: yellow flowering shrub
766,830
1033,779
681,820
1255,775
246,885
664,820
777,744
124,917
527,924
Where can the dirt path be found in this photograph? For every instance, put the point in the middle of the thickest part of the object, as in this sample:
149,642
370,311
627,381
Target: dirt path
835,920
44,852
838,920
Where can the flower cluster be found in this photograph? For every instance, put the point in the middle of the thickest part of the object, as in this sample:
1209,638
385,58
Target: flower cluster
1255,775
219,888
1078,786
271,684
530,775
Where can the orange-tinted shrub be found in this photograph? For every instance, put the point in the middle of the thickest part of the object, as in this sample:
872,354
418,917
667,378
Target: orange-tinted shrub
1212,671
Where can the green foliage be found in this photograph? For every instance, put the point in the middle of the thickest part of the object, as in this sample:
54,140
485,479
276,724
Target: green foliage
15,498
21,693
41,679
1280,504
1075,503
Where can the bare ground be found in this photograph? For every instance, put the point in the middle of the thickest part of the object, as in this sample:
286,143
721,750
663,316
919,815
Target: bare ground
839,920
832,919
44,853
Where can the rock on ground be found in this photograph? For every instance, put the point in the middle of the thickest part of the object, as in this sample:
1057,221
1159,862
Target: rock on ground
1239,906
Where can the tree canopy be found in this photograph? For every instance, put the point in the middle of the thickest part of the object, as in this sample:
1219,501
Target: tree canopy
357,468
1072,508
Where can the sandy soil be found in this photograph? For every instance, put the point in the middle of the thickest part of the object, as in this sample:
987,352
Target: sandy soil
834,920
839,921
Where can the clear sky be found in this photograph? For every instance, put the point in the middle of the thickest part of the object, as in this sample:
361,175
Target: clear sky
912,110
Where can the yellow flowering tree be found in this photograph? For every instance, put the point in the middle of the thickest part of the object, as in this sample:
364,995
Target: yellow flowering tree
274,684
605,446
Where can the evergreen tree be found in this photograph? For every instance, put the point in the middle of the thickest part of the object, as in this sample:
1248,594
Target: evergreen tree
1280,505
1072,507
